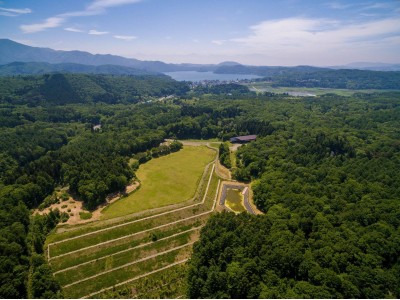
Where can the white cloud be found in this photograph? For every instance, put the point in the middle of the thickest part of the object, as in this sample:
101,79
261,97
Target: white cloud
14,12
321,39
95,32
96,7
301,33
102,4
48,23
72,29
125,37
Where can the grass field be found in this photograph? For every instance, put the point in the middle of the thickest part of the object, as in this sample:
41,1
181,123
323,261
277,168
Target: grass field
137,255
166,180
88,272
169,284
300,91
234,200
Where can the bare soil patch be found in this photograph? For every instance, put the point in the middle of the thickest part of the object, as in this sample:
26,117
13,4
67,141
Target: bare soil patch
73,207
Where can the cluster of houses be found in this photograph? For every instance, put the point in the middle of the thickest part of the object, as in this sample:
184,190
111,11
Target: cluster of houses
209,83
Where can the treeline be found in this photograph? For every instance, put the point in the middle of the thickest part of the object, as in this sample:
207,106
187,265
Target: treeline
224,155
340,79
35,68
327,180
231,89
306,76
162,150
24,271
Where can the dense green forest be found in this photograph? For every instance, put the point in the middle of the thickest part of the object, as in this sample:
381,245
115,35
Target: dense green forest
324,170
306,76
232,89
35,68
59,89
327,180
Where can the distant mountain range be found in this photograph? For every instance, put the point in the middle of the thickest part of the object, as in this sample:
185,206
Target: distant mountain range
16,58
35,68
11,51
370,66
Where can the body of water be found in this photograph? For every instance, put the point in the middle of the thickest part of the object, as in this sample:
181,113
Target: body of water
198,76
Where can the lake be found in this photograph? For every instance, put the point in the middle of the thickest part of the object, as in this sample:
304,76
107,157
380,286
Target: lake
198,76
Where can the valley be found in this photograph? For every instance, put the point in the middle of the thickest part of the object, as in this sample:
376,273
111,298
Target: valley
117,181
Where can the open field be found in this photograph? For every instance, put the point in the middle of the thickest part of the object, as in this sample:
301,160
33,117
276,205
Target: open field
95,259
300,91
76,232
165,180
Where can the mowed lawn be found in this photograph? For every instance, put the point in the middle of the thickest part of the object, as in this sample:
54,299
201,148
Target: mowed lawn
165,180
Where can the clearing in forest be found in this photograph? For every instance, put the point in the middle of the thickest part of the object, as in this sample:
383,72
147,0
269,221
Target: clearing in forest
137,256
164,181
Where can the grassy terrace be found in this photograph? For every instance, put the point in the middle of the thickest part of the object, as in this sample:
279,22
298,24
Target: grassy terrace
118,232
129,255
129,231
74,231
170,284
166,180
84,288
83,255
95,257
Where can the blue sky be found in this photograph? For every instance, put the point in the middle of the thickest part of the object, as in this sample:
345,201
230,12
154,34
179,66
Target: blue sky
255,32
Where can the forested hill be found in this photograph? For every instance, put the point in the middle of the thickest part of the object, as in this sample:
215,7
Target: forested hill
59,89
327,178
36,68
306,76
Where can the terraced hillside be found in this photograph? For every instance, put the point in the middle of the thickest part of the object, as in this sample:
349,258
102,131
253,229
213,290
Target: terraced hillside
124,254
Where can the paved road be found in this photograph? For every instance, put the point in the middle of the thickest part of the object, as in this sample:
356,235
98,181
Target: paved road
248,206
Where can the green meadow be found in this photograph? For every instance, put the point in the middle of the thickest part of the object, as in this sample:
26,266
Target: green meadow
165,180
304,91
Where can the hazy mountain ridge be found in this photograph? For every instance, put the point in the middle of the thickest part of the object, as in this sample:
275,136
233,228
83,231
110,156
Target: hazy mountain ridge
35,68
376,66
63,61
11,51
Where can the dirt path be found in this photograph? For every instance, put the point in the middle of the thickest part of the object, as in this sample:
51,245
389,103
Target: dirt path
194,143
234,147
96,214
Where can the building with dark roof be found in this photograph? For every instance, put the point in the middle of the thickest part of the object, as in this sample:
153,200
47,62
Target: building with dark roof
243,139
